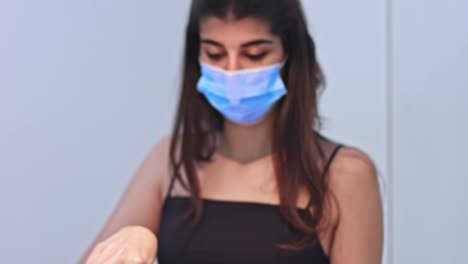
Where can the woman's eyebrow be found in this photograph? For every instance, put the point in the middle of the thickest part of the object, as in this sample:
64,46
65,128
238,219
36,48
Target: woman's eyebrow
256,42
244,45
212,42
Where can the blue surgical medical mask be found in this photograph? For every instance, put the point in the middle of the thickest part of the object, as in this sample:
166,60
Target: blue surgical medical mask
243,96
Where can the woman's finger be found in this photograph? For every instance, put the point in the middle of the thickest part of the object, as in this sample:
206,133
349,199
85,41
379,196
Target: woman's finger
116,258
95,253
99,253
107,253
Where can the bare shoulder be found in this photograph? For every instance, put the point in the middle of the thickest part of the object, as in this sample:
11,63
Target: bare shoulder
352,165
159,161
145,189
353,177
161,147
353,180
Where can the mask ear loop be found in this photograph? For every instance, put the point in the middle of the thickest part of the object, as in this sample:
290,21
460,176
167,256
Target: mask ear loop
286,57
283,63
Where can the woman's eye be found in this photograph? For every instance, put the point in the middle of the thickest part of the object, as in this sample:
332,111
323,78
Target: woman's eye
256,57
215,56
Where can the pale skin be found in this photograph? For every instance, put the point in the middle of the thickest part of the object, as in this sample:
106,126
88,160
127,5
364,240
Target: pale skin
242,170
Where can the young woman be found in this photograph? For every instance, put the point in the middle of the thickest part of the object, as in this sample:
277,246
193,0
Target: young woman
246,177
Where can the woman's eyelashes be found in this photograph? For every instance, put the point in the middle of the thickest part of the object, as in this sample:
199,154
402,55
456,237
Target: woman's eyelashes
256,57
216,56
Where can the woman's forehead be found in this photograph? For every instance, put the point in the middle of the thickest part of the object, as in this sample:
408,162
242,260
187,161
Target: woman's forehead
235,31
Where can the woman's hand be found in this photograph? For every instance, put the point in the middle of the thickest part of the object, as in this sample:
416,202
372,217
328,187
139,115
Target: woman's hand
130,245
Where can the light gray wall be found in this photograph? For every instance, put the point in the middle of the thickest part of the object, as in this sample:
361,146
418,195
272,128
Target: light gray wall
86,87
430,145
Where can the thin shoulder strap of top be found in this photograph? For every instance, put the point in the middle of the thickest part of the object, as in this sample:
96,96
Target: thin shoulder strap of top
171,185
332,157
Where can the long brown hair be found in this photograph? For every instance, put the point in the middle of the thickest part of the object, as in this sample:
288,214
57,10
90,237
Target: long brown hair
295,140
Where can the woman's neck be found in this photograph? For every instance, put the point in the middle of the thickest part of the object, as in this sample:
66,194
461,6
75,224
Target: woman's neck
245,144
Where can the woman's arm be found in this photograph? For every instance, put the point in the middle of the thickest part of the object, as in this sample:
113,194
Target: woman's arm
358,237
141,203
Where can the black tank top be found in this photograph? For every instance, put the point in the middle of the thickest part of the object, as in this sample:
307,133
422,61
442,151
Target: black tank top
231,232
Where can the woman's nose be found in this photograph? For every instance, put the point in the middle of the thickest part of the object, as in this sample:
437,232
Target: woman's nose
233,63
